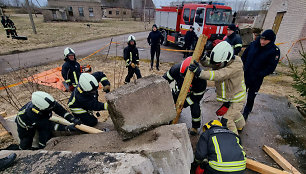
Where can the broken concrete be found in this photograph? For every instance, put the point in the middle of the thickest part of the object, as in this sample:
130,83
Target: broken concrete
78,162
132,114
168,147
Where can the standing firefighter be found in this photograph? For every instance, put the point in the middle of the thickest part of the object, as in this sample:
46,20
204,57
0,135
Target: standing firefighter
190,39
227,73
195,93
219,151
71,70
234,39
84,99
9,27
35,116
131,57
154,39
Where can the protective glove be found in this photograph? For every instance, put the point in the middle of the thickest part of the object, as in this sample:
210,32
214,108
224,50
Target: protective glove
195,68
223,109
71,128
73,119
106,88
133,65
199,170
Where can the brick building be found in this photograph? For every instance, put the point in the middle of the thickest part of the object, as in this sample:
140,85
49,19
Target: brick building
287,19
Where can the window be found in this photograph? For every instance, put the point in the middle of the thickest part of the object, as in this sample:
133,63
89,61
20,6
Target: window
70,11
91,13
192,17
110,12
124,13
186,15
199,16
117,12
81,11
218,17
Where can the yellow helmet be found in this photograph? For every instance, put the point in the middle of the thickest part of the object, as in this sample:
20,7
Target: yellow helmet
210,124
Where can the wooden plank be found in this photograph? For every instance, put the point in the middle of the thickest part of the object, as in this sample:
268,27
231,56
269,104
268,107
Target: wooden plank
189,77
281,161
4,133
262,168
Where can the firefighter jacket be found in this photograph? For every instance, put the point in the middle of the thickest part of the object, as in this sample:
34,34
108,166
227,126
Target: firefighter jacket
71,72
29,116
221,147
155,38
130,55
229,81
236,42
81,102
197,87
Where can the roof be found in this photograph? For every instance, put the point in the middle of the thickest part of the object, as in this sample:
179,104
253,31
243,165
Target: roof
116,3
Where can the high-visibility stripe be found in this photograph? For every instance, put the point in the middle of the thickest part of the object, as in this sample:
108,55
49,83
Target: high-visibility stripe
75,78
196,119
237,45
21,123
35,110
169,76
212,75
103,79
105,106
68,80
243,85
56,127
217,149
78,110
21,112
67,113
131,56
223,90
227,169
199,93
189,101
244,154
79,89
239,119
41,144
72,101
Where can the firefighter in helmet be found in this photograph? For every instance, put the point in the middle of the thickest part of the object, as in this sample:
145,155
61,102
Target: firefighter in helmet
219,151
227,72
131,57
84,99
35,116
71,70
195,93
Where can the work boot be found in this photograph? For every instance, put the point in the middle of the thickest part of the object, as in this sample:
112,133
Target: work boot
7,161
151,69
157,68
193,131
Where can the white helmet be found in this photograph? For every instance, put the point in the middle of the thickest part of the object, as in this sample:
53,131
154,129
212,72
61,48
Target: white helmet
88,82
222,52
68,51
42,100
131,38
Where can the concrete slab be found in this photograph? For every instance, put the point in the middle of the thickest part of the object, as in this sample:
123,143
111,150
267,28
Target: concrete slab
78,162
168,147
141,106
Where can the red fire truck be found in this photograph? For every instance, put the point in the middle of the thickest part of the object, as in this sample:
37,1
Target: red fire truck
206,18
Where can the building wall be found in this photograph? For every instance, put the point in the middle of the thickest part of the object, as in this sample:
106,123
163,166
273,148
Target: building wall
75,4
117,13
292,26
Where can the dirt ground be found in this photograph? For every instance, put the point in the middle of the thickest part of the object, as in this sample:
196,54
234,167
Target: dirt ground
51,34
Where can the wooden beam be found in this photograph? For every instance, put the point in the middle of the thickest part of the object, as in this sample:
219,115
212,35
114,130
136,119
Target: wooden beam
4,133
189,77
281,161
262,168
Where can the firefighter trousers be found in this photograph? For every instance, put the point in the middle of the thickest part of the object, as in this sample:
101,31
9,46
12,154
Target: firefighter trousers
131,72
155,49
87,119
235,120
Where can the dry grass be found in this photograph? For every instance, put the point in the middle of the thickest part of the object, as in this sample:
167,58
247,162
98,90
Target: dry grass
50,34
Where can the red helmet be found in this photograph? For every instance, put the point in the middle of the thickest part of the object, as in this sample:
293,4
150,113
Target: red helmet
185,64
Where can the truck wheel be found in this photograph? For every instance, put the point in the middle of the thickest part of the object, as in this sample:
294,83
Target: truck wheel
165,42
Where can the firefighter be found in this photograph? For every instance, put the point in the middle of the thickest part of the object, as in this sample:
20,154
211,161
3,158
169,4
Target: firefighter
259,59
195,93
35,116
219,151
227,72
154,39
131,56
84,99
10,28
71,70
234,39
190,39
7,161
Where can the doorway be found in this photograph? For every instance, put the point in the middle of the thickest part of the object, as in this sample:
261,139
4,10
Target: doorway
278,20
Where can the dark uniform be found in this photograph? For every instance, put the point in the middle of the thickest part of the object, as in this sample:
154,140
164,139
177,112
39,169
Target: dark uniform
258,62
83,103
154,39
195,93
130,54
221,147
10,28
190,39
71,72
236,42
29,119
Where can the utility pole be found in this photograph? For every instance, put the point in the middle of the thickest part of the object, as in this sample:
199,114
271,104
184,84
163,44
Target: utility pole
30,15
144,11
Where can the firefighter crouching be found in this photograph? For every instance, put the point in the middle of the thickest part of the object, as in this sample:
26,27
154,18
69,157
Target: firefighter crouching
35,116
227,72
195,93
71,70
131,57
219,151
84,99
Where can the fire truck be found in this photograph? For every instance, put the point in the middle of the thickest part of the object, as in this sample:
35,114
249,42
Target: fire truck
211,19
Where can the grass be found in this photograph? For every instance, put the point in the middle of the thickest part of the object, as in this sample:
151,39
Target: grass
51,34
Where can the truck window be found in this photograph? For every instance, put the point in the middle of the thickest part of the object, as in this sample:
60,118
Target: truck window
199,16
186,15
218,16
192,16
